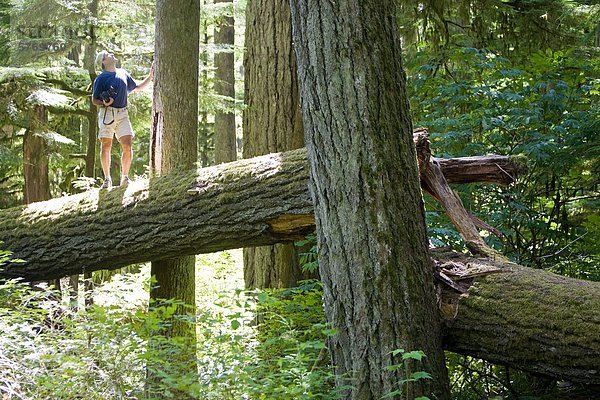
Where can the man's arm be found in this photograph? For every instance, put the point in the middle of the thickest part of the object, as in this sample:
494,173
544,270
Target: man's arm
142,85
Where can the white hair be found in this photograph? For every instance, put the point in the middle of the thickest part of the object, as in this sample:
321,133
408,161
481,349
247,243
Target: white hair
99,58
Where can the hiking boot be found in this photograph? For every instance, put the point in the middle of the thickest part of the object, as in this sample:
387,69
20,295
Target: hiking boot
125,181
107,184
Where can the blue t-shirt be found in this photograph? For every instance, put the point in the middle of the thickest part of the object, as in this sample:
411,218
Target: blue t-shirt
120,80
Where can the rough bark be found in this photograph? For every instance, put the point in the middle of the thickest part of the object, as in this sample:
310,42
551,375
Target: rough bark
377,275
174,131
272,119
272,122
266,198
524,318
90,158
225,132
259,201
35,159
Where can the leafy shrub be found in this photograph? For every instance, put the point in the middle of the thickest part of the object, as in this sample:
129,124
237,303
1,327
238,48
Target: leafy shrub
110,351
545,109
292,358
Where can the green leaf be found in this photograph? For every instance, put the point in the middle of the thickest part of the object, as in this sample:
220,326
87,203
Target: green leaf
414,355
396,352
420,375
262,297
392,394
235,324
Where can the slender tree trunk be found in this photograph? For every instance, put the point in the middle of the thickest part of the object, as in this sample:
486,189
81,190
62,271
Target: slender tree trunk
225,132
90,159
205,133
174,130
377,275
74,125
88,61
272,122
35,159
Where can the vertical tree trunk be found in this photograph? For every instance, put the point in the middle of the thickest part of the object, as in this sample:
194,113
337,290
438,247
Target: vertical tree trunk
174,129
90,158
35,163
225,134
35,159
204,131
75,125
173,147
378,278
272,121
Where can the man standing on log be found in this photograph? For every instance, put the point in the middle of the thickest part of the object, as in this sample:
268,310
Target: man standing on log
110,92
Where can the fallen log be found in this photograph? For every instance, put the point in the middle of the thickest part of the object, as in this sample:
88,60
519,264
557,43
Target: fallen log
524,318
265,200
500,170
254,202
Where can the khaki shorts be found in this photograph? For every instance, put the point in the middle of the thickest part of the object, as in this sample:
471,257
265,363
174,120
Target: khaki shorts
114,123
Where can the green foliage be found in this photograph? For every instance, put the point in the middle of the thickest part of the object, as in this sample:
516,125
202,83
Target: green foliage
516,78
474,379
45,347
547,110
292,355
512,29
50,351
415,356
308,259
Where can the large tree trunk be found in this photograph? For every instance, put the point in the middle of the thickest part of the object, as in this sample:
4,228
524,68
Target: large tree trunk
174,132
377,275
173,147
225,133
272,122
266,200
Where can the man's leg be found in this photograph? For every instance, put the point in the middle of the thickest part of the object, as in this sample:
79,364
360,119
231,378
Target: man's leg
126,157
105,145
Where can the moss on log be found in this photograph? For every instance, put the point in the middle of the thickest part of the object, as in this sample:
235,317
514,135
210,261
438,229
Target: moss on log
246,203
254,202
525,318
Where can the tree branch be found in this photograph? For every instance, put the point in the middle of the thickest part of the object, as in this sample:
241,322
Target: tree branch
64,86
